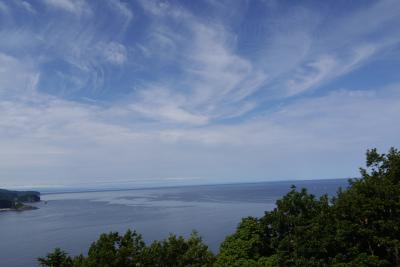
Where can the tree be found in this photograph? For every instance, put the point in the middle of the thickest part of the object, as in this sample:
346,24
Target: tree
368,213
360,226
128,250
245,247
57,258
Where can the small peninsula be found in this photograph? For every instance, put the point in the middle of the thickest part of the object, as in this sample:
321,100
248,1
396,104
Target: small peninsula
17,200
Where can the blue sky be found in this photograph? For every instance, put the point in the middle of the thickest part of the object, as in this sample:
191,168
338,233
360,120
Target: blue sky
164,92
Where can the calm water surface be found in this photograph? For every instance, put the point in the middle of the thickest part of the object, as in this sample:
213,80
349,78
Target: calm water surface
73,220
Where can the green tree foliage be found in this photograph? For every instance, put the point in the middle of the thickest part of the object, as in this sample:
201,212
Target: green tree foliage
368,213
245,247
14,199
128,250
57,258
6,204
360,226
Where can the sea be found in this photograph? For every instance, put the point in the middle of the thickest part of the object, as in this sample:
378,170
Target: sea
73,220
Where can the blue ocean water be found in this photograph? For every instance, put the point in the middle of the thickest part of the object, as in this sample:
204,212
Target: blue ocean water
72,221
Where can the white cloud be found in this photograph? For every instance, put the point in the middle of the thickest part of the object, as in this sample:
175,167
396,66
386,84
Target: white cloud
77,7
27,6
337,121
16,76
163,8
218,73
52,135
171,113
113,52
161,104
123,9
215,79
325,68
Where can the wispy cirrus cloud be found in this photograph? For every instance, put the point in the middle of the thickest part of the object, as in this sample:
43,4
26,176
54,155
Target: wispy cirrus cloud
17,76
326,68
219,77
214,77
74,6
113,52
27,6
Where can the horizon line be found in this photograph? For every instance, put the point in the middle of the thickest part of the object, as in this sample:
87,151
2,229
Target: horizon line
92,189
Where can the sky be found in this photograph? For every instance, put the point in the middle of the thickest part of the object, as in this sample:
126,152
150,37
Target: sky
192,92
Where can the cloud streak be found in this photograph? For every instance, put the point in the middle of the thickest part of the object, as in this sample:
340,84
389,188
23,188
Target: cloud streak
74,6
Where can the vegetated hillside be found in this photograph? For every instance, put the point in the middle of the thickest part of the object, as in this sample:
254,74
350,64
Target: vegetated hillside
12,199
360,226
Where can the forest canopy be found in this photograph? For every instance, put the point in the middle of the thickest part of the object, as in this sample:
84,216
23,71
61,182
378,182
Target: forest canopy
15,199
359,226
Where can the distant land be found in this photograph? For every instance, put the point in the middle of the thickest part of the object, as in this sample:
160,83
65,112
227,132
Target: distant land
118,186
16,200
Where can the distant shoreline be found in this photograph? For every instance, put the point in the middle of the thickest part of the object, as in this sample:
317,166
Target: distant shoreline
24,208
18,200
116,189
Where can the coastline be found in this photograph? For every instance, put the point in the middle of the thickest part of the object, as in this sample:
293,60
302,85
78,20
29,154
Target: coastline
22,208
